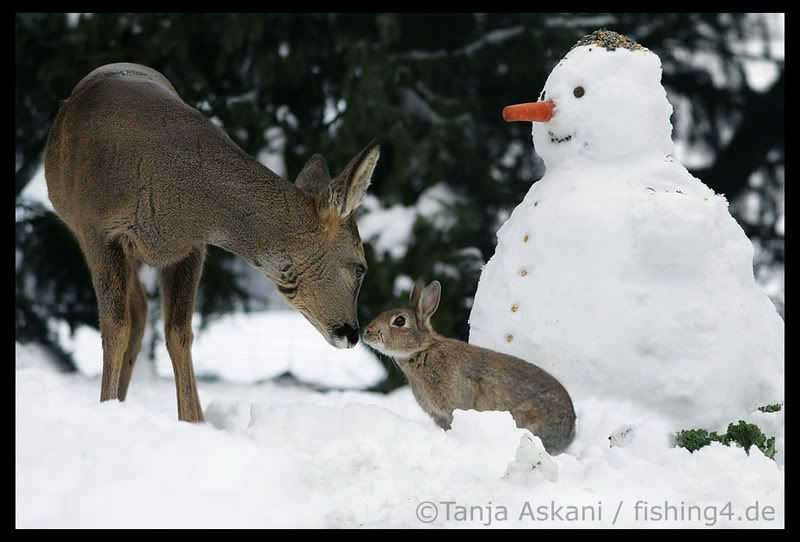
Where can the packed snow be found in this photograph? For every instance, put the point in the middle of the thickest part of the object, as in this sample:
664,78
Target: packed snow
283,456
629,278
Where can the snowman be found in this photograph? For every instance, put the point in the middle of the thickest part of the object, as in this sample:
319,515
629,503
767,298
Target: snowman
620,273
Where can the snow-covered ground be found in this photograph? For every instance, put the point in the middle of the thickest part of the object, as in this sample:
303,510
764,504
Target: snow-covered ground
246,348
275,456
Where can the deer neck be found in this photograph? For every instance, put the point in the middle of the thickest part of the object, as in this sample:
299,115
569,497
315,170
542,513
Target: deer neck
255,214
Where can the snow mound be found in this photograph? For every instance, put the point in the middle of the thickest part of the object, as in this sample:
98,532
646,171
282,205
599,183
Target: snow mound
532,464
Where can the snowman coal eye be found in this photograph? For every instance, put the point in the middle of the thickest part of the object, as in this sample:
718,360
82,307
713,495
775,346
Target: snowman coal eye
578,92
399,321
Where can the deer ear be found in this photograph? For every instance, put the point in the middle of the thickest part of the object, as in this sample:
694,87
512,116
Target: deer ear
314,176
413,299
429,301
348,188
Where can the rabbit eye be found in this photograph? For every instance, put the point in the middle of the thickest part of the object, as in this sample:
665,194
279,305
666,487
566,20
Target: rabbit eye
399,321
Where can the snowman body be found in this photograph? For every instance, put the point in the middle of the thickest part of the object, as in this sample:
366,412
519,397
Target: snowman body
620,273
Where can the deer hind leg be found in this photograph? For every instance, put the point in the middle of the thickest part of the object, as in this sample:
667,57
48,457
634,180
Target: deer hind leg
137,308
109,268
178,290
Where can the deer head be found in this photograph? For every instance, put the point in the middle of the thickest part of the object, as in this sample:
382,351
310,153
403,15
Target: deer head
325,268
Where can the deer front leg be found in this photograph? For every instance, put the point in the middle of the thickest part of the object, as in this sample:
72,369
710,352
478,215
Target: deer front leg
109,268
178,290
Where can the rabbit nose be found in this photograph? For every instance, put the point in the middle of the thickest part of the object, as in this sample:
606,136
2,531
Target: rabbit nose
348,331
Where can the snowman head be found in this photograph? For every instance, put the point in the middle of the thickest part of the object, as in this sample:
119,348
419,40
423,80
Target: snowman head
603,101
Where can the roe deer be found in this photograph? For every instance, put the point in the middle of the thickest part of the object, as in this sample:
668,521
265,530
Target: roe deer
447,374
139,177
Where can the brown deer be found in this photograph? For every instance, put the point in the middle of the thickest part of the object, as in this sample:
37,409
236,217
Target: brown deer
139,177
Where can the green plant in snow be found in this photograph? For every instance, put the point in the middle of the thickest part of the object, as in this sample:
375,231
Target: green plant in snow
747,435
694,439
743,433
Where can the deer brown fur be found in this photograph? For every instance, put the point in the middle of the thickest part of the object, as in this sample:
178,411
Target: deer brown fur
139,177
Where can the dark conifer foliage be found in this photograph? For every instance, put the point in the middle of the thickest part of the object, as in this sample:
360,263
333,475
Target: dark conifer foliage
430,87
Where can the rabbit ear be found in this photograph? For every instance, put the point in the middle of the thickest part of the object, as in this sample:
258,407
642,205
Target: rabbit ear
429,302
413,299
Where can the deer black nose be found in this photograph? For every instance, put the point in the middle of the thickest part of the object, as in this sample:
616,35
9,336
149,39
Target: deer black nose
347,331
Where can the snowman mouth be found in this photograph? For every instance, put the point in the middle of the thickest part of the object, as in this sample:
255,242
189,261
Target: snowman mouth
556,139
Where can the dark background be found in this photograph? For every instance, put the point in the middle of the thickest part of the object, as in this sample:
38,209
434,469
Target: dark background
430,87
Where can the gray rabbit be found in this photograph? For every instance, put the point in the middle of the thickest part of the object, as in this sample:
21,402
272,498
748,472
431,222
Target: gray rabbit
448,374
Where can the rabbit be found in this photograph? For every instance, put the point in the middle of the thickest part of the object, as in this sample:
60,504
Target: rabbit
447,374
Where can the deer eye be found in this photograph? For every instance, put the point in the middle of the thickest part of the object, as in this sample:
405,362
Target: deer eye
578,92
399,321
360,270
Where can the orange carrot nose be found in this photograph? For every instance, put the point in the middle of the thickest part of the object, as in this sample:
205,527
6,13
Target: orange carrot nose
530,112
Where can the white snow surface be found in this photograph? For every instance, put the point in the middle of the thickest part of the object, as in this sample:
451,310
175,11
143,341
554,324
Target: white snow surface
631,279
278,456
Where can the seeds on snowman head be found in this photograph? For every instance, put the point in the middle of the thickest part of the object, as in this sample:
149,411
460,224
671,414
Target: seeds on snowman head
523,273
509,338
609,40
525,238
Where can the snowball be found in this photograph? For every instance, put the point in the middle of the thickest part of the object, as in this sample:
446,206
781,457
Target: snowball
622,436
532,464
623,113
